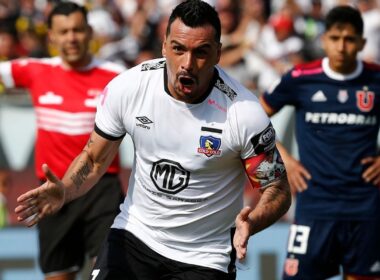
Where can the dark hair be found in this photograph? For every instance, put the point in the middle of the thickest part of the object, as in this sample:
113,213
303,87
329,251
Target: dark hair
345,14
196,13
66,8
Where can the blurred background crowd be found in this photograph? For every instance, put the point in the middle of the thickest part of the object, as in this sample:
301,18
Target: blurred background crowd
261,39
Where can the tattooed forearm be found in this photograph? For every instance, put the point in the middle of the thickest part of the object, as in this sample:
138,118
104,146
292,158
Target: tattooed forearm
79,177
273,204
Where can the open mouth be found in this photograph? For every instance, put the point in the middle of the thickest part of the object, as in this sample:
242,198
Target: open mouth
186,81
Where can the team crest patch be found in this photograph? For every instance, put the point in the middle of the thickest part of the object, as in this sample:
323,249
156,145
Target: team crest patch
291,267
209,146
365,100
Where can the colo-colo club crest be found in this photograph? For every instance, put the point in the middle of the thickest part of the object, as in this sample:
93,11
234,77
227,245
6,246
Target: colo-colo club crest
209,146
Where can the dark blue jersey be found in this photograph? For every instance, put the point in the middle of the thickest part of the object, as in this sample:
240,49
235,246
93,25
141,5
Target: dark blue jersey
337,123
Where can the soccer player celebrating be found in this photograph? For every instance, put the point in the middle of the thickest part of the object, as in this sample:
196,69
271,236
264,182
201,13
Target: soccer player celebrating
64,91
337,103
196,132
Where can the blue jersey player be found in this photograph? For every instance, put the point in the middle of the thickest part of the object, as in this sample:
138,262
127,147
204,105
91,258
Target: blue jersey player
337,103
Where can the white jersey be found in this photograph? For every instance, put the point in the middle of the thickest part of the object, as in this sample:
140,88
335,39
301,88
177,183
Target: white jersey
186,185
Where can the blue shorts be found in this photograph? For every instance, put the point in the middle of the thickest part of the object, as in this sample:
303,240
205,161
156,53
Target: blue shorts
318,249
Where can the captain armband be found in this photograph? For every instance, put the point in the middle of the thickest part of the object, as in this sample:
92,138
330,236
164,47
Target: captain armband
265,168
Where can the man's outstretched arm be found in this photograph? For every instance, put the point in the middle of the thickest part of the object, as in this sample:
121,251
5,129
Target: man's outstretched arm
85,170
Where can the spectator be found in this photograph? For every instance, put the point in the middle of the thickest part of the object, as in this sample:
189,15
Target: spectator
310,27
279,44
371,17
240,57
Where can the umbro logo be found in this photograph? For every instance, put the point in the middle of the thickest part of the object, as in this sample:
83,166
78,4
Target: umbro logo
143,122
319,96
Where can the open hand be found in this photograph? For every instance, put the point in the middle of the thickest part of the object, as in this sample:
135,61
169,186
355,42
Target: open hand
45,200
242,233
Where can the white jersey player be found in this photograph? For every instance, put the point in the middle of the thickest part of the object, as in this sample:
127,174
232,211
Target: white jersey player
188,161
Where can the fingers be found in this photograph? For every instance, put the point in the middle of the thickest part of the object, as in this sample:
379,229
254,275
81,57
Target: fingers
32,220
241,252
305,173
240,244
297,184
49,174
298,176
30,195
28,210
367,160
28,213
40,202
243,215
372,172
242,232
29,203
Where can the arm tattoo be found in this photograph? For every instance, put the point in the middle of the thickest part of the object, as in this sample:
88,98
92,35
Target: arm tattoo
79,177
273,204
276,194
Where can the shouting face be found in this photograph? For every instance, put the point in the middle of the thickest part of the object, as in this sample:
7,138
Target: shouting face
191,54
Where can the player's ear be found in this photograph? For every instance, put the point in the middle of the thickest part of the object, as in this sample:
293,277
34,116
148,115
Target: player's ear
50,35
163,50
219,52
363,41
90,31
323,39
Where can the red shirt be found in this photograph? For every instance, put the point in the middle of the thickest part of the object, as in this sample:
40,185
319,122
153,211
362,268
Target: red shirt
65,104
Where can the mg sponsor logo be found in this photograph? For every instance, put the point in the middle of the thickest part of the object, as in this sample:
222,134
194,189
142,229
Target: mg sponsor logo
169,176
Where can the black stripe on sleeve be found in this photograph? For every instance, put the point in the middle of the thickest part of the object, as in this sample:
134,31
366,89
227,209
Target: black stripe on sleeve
105,135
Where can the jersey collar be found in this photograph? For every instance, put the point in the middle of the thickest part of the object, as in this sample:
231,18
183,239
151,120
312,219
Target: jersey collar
339,76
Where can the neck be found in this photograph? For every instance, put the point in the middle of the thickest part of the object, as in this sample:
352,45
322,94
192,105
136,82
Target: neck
345,69
82,63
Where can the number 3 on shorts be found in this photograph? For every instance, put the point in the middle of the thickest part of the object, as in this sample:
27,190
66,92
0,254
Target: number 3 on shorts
95,273
298,238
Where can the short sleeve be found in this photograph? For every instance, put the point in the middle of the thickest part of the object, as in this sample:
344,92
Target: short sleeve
114,103
252,130
281,93
16,73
